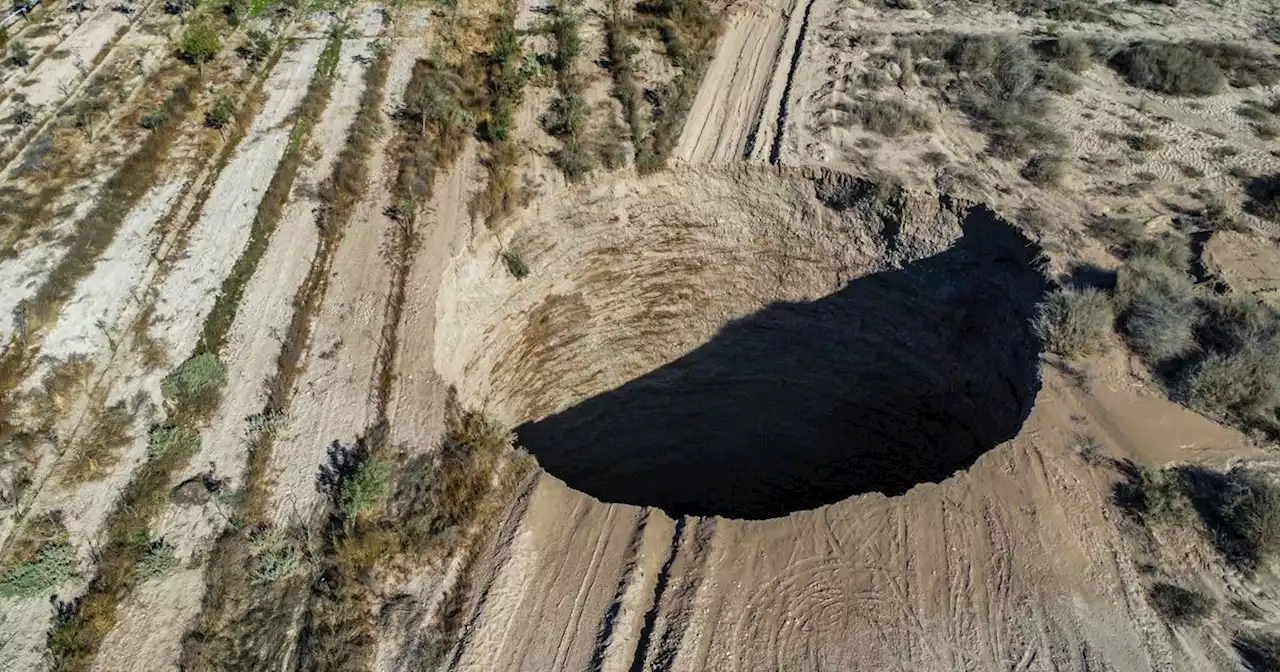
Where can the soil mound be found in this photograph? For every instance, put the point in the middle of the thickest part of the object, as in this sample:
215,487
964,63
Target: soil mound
874,339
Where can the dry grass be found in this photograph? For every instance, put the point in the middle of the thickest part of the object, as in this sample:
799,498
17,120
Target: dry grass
1260,651
888,117
98,451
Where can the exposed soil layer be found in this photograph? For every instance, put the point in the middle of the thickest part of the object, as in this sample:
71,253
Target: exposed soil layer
876,339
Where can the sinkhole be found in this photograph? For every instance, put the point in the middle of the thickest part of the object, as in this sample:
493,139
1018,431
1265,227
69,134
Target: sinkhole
748,343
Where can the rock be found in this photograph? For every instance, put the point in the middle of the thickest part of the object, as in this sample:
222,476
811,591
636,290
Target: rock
192,492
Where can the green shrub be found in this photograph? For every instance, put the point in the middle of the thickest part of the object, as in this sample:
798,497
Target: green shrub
222,112
515,264
1075,323
158,560
199,44
275,554
1178,605
53,564
196,385
1170,68
167,439
364,490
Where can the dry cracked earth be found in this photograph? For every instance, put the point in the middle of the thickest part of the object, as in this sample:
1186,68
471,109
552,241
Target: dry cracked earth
488,335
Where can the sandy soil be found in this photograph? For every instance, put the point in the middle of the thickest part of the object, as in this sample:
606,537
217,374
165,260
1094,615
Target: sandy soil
334,399
252,350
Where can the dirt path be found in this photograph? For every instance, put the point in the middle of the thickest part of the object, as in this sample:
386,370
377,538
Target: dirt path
729,121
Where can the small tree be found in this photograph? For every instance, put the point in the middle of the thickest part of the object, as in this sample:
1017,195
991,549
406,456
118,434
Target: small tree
200,44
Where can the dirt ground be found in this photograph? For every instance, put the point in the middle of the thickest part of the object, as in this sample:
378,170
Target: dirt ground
778,403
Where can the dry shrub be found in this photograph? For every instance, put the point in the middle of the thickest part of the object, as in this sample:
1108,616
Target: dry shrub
1159,312
1075,324
1001,91
1264,196
1259,651
1243,66
1178,605
890,118
99,450
1069,52
1045,170
1169,68
1145,142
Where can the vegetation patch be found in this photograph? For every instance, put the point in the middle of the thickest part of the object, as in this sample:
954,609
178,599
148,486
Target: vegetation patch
435,503
688,30
1169,68
98,451
53,564
1260,651
1238,510
1178,605
1075,323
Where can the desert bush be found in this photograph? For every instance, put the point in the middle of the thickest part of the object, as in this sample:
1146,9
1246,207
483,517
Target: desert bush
196,383
1264,196
97,451
1001,92
276,555
20,54
172,439
1145,142
158,560
53,564
1169,68
179,7
1154,495
515,264
1242,66
1075,323
1240,511
222,113
364,490
891,118
153,118
1069,52
1045,170
199,44
1260,651
1059,80
1241,384
1178,605
1159,313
